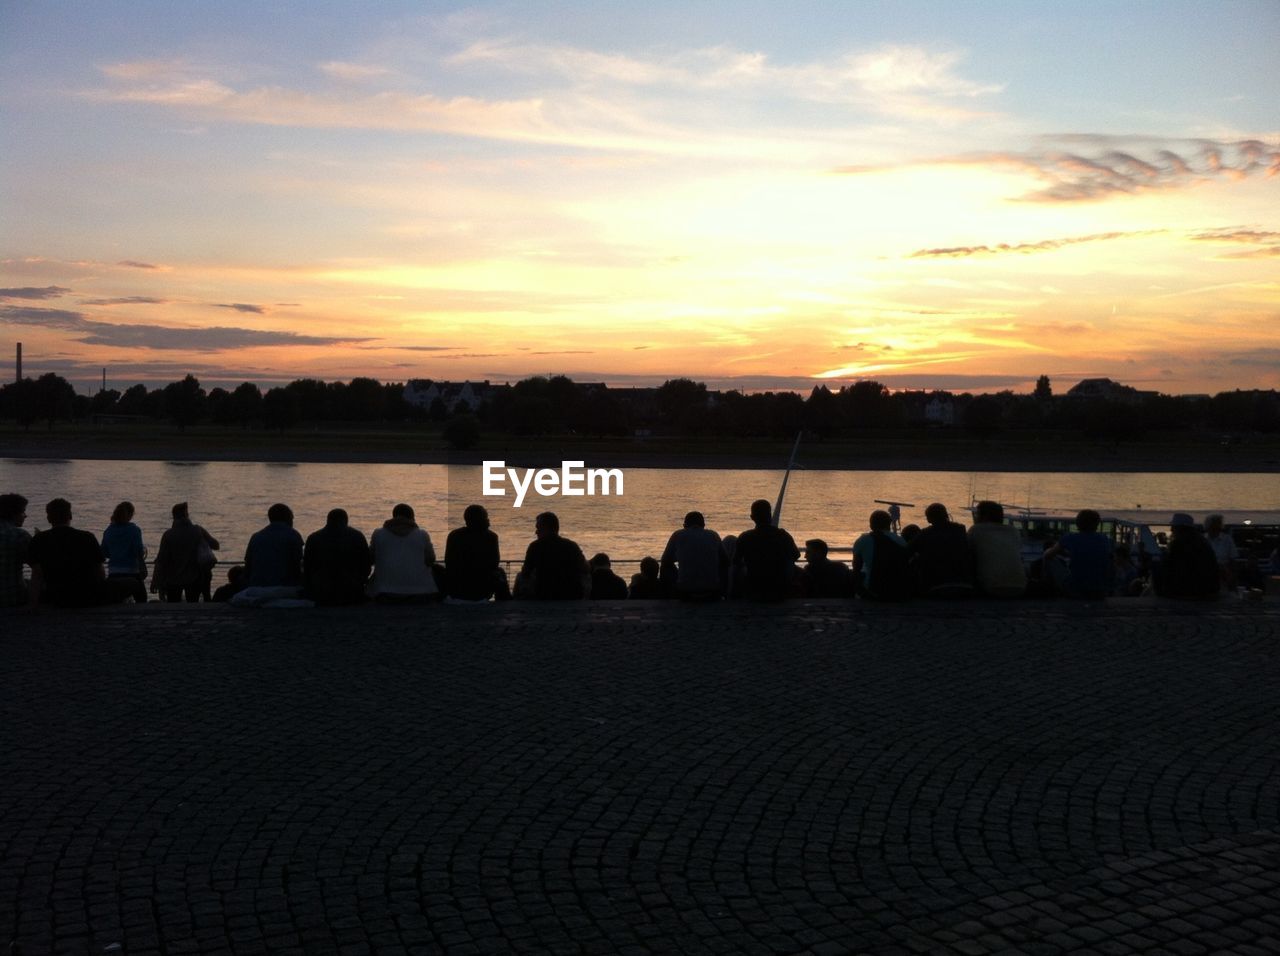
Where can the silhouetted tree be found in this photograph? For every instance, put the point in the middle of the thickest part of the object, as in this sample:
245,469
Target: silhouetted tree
246,404
20,401
133,401
280,408
104,402
55,398
185,402
365,401
984,416
1044,391
680,400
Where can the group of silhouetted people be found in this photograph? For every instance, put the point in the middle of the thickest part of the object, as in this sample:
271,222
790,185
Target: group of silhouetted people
397,564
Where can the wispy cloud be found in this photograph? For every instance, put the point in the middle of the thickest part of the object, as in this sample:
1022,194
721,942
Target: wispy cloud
33,292
159,337
127,300
241,307
135,264
1260,243
1110,166
1023,248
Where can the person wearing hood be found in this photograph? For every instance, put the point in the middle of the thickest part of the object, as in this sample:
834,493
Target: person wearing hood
402,560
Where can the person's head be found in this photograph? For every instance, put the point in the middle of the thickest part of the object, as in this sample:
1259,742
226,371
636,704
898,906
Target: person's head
988,512
58,511
880,520
337,518
179,511
402,512
1213,525
235,574
547,524
280,512
815,549
601,560
936,513
475,516
694,519
761,511
650,567
909,532
1182,524
1088,520
13,508
123,513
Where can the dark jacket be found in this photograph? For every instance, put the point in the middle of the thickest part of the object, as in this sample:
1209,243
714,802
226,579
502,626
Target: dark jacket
335,565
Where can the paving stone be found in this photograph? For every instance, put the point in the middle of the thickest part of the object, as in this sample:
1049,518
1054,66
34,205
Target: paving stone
820,777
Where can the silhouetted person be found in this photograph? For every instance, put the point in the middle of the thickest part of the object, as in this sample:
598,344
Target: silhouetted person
824,578
694,563
765,558
1224,549
880,561
941,562
605,585
1091,569
1189,568
473,561
273,558
66,564
646,584
336,563
124,552
183,567
15,545
909,533
997,552
402,561
234,585
554,567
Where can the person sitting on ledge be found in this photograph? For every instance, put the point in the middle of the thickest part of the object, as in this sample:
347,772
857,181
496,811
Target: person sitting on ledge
764,561
234,585
124,552
1224,549
1189,569
824,578
880,561
274,556
402,561
605,585
554,567
15,543
66,564
941,562
473,560
646,584
997,552
1090,573
694,562
336,563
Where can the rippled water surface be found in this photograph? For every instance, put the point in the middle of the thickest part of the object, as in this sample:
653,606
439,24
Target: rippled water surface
231,498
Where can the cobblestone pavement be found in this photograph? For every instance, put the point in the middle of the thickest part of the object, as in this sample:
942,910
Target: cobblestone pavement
1031,779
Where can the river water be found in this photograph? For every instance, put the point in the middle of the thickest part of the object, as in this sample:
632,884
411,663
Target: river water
231,498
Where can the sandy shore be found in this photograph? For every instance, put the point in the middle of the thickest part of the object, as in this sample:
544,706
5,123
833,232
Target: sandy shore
1049,454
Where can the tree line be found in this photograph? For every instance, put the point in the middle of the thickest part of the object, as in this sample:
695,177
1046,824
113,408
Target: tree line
557,405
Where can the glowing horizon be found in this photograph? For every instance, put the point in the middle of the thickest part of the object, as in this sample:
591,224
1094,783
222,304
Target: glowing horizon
926,194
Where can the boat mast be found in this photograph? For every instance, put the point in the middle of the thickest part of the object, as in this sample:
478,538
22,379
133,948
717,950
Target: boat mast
782,492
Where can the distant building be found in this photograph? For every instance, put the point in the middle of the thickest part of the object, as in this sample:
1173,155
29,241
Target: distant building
422,393
1107,390
939,411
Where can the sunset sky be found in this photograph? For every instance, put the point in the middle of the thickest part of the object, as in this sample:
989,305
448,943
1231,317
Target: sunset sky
958,195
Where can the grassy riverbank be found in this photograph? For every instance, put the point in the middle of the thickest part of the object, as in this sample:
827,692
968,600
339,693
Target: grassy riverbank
920,451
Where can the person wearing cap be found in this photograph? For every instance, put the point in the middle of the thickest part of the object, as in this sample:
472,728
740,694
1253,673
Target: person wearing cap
695,561
183,568
1189,568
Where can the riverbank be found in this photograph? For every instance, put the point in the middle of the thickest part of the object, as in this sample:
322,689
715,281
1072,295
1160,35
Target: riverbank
931,451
